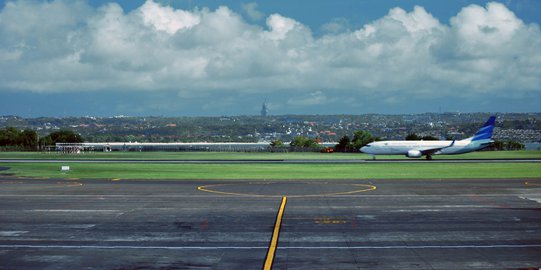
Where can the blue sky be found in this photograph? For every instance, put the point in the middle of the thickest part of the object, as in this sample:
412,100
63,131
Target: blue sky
181,57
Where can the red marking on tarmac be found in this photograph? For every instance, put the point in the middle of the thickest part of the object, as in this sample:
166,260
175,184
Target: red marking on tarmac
204,225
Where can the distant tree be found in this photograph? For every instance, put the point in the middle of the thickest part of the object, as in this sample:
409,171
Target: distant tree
45,141
13,139
344,144
298,141
9,136
412,137
29,139
303,143
514,145
66,136
507,145
415,137
362,138
277,144
429,138
62,136
497,146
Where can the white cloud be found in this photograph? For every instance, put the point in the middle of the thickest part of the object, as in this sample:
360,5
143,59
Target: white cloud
252,12
490,27
166,19
69,46
337,25
280,26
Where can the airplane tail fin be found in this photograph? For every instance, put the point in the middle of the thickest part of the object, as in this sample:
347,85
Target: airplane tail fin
485,132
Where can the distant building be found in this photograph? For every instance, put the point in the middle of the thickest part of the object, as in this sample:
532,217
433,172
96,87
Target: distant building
264,110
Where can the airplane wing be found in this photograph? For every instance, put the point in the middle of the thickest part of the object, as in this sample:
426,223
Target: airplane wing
430,151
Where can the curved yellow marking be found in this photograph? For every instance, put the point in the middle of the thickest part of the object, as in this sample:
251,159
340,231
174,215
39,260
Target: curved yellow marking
207,188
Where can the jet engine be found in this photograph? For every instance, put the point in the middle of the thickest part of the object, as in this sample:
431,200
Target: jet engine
414,154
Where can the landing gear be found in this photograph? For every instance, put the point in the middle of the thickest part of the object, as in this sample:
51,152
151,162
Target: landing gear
428,157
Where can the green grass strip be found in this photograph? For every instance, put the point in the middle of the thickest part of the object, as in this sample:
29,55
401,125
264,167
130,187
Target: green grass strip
253,156
278,171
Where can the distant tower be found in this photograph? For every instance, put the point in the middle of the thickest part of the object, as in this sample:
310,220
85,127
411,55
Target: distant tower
264,109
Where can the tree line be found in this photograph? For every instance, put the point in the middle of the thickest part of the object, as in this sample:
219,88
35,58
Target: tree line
345,144
12,139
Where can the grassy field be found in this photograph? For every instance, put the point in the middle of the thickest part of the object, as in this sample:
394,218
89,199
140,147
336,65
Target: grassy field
250,156
129,170
278,171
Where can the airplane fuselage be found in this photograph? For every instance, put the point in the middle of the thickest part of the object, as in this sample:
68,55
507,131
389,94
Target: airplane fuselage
416,149
403,147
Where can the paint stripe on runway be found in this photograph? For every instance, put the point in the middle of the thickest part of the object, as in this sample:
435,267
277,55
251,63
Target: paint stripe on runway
73,210
266,247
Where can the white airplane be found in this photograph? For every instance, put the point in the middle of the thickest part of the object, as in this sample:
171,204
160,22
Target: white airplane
417,149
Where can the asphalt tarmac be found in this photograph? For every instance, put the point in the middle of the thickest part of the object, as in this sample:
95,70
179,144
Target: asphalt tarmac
333,224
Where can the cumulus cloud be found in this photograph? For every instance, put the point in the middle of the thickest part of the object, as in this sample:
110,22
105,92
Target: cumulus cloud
68,46
337,25
166,19
252,12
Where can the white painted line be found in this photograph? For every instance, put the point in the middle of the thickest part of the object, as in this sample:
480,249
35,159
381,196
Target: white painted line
12,233
420,247
265,247
421,207
73,210
131,247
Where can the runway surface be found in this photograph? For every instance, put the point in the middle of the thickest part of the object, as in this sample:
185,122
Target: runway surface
332,224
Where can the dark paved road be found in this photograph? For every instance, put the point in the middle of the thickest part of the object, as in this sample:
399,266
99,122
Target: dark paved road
399,224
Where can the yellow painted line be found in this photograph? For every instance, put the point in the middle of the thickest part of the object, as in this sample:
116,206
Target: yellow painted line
115,179
211,189
274,241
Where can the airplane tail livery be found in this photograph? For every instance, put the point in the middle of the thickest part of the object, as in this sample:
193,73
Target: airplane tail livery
416,149
485,132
